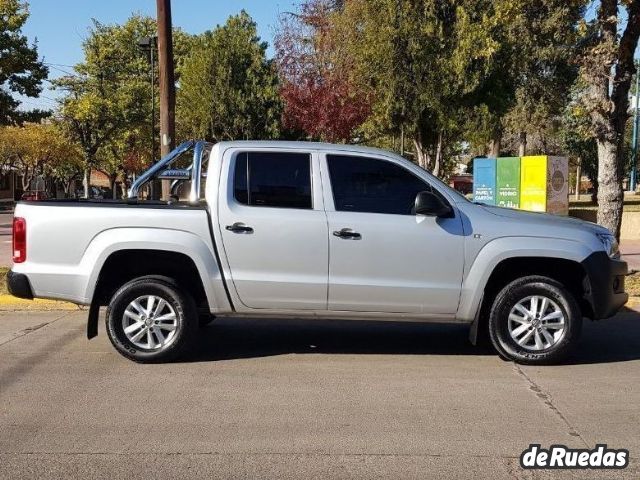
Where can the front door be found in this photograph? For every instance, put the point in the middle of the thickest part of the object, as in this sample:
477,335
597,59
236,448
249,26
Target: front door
383,257
274,229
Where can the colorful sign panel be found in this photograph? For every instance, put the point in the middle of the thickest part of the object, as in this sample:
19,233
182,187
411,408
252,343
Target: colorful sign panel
508,182
484,180
558,185
533,183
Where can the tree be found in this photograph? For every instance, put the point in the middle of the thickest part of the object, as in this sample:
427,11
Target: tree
123,155
544,36
21,71
38,149
576,136
228,88
422,62
320,99
606,67
110,95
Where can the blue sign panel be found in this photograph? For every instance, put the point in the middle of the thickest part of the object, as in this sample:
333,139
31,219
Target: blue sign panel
484,180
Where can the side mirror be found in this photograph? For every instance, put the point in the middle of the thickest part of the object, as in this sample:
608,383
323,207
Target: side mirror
430,204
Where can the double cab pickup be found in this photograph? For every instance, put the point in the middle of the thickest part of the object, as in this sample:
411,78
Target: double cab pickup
309,230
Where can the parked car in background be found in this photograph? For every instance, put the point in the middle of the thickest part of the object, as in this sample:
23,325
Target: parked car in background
307,230
36,195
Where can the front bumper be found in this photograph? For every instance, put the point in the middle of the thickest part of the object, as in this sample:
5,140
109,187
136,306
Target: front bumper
18,285
604,284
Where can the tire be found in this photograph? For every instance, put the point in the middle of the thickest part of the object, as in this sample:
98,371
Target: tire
544,338
160,337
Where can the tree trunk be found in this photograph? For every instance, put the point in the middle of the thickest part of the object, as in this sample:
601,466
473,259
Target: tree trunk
26,181
494,147
113,186
85,181
608,67
578,179
610,193
421,153
438,159
522,144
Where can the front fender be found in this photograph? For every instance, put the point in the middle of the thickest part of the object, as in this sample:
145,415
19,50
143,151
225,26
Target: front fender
503,248
110,241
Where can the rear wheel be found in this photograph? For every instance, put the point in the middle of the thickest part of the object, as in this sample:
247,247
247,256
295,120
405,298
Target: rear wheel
534,320
151,320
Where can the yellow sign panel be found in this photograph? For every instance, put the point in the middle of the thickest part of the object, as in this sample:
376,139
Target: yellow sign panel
533,183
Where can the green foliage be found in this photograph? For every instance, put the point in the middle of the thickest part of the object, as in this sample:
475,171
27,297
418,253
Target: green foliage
40,149
545,39
21,71
228,89
425,62
110,93
576,137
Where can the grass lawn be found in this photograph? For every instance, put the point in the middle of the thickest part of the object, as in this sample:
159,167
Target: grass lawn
631,204
632,285
3,280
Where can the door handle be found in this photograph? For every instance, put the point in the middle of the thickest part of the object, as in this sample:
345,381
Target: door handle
239,227
347,233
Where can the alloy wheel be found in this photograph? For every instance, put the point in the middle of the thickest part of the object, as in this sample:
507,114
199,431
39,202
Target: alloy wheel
536,323
150,322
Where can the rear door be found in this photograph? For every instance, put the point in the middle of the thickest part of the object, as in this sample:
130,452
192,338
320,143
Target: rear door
274,228
383,257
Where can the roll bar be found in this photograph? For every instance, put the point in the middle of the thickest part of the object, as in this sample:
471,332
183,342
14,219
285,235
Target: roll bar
160,166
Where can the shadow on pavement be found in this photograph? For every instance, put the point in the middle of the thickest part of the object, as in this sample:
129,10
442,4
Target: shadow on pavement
248,338
612,340
606,341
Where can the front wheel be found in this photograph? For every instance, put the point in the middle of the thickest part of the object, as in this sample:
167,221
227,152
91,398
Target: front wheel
534,320
151,320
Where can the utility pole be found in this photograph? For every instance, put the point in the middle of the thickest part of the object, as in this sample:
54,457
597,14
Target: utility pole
634,141
167,84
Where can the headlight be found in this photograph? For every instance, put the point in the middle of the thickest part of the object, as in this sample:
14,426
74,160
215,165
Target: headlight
609,243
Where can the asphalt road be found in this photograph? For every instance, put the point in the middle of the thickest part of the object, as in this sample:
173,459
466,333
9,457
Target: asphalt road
307,399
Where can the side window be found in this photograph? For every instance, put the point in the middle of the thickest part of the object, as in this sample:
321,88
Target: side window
273,179
370,185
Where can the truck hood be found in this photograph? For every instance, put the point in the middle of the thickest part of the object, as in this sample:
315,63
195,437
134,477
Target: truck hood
544,219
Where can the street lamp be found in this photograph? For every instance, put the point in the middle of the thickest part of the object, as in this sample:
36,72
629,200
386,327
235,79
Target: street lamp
148,44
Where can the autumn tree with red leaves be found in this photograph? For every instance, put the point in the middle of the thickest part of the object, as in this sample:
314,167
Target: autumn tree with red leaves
321,101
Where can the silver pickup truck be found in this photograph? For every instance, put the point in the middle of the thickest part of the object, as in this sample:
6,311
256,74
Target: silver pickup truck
308,230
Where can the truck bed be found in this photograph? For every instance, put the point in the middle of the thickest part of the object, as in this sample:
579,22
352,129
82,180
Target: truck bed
67,238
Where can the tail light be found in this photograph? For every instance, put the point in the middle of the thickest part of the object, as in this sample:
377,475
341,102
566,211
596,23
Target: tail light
19,240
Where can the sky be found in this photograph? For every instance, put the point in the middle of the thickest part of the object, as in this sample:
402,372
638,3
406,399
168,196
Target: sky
61,25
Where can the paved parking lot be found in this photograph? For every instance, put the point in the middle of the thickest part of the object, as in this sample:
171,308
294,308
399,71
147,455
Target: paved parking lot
306,399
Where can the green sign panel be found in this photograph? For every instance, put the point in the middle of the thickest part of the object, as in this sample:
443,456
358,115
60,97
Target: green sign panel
508,182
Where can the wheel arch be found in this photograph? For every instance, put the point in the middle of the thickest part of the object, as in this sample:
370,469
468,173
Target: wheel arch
111,261
504,260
